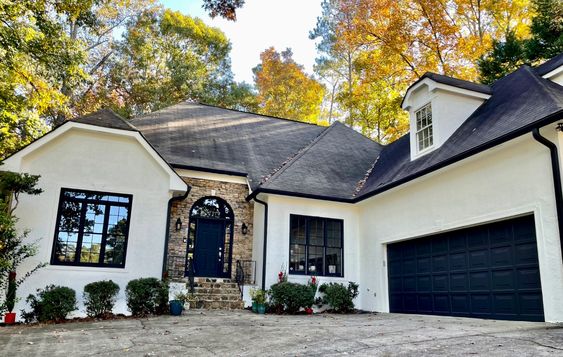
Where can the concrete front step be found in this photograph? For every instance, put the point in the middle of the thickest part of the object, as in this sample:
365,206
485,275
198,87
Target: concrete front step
215,293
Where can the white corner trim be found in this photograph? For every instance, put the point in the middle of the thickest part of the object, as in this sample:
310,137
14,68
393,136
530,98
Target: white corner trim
13,162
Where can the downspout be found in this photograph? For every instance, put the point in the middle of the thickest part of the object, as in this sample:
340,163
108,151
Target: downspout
556,178
265,240
167,235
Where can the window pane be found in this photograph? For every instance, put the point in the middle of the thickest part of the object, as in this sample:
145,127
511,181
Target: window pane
316,231
115,250
297,230
333,233
90,249
65,247
69,219
333,261
315,261
297,258
94,219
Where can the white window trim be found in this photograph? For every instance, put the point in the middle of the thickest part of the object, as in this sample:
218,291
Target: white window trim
417,131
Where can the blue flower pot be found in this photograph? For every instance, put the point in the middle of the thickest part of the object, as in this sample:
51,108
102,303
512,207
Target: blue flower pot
254,307
261,309
176,307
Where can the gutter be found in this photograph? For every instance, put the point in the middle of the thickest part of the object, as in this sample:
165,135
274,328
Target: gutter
265,239
556,171
167,235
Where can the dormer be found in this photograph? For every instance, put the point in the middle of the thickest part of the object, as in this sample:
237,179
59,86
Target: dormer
437,106
552,69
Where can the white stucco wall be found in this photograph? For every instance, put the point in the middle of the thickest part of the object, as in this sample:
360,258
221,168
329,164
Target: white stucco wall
512,179
85,159
281,207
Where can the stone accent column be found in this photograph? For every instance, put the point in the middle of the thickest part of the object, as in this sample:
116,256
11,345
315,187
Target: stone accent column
234,194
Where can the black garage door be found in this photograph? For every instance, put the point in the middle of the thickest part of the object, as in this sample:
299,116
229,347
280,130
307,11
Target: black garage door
490,271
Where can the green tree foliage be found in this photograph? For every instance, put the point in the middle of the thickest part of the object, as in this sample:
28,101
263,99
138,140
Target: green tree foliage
166,57
56,57
545,41
13,246
285,90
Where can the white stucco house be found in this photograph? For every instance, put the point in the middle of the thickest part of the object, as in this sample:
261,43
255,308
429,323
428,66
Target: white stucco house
462,216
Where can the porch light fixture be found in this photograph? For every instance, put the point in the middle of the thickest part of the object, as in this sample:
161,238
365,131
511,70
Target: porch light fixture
178,224
244,229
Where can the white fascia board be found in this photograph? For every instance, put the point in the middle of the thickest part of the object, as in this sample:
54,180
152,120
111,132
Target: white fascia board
553,73
13,163
434,86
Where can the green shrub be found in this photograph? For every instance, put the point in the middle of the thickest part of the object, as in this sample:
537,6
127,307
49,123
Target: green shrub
291,297
339,297
99,298
146,296
53,303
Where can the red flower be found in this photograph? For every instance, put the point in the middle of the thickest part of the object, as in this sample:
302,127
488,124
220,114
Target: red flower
280,276
314,280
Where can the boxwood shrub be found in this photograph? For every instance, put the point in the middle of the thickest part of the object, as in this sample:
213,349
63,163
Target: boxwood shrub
146,296
99,298
291,297
339,297
53,303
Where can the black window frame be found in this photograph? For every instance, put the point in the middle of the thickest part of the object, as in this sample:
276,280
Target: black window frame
324,246
100,264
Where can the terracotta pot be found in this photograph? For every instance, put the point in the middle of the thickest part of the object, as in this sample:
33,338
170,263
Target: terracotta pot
309,311
10,318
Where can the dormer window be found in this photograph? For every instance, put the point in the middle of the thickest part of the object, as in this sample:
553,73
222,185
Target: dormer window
424,133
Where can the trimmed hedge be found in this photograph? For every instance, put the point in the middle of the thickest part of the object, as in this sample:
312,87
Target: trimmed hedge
53,303
147,296
339,297
99,298
291,297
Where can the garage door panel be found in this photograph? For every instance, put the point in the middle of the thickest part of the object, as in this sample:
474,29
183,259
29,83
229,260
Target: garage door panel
439,263
442,304
479,258
479,281
423,284
490,271
458,261
459,282
504,304
528,278
526,253
440,283
503,280
424,265
502,256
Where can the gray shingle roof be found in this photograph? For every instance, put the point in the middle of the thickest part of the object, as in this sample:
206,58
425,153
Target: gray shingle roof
331,166
455,82
198,136
106,118
519,100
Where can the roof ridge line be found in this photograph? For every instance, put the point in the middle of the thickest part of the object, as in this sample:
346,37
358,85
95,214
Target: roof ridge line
292,159
126,121
360,184
540,80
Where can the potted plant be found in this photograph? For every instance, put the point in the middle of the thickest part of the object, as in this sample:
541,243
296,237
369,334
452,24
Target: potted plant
260,299
177,305
10,316
253,297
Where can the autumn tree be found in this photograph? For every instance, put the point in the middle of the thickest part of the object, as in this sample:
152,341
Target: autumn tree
545,41
285,90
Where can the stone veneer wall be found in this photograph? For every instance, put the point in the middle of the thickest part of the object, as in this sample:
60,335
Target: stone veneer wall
234,194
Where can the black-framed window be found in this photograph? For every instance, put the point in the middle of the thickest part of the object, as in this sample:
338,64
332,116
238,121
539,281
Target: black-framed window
316,246
92,228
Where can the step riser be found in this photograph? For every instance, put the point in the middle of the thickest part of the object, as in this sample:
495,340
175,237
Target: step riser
216,294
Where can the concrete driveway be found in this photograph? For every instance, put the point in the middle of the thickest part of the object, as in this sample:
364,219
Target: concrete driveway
242,333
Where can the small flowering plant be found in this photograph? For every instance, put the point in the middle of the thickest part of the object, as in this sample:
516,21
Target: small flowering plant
282,276
313,281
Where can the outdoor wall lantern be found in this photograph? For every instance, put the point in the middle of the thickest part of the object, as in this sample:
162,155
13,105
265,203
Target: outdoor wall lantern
244,229
178,224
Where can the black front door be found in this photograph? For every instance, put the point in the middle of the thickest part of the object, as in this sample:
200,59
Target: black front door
208,256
